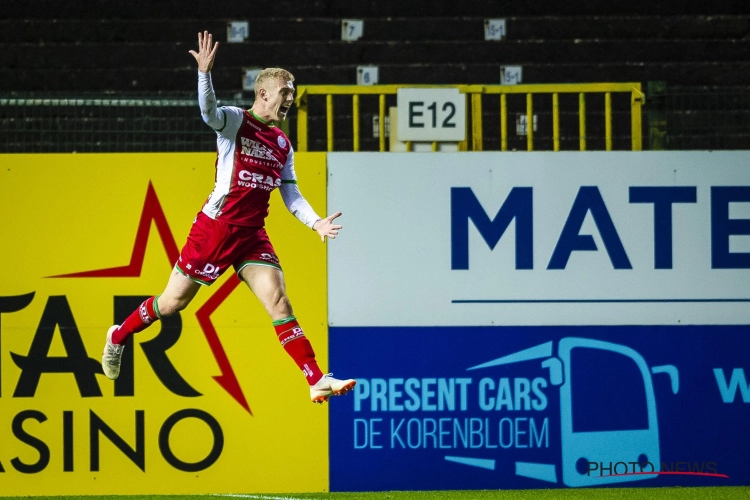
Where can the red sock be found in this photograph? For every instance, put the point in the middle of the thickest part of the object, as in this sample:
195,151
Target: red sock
294,342
139,320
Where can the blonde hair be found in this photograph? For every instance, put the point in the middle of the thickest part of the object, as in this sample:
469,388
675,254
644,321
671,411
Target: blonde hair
271,74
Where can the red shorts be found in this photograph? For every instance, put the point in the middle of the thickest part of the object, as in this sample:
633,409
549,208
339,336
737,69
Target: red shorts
212,246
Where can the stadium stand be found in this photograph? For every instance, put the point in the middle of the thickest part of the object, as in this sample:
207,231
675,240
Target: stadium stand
137,47
133,46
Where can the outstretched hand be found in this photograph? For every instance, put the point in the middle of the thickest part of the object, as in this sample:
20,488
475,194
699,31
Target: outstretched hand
326,227
206,52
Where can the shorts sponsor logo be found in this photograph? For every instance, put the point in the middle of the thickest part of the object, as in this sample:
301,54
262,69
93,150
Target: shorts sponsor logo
209,271
269,257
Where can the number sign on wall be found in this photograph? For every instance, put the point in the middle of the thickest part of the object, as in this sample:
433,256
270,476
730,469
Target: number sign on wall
431,115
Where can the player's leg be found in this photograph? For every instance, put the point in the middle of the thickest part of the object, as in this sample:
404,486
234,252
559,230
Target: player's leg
202,260
267,283
178,293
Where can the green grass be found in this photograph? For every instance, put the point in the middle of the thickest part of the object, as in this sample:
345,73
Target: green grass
708,493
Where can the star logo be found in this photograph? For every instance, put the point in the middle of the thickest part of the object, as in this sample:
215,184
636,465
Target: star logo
153,212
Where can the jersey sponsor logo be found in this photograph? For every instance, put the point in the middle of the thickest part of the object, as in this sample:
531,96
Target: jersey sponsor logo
281,141
256,149
257,181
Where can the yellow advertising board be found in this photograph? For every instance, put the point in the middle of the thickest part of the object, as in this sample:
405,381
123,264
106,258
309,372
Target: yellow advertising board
207,401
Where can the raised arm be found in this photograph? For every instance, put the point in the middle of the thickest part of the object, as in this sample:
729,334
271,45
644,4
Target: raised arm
212,116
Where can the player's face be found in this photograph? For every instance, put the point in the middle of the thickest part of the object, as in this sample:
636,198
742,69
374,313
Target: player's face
280,99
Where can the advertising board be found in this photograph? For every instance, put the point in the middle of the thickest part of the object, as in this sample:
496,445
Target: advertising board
535,320
85,239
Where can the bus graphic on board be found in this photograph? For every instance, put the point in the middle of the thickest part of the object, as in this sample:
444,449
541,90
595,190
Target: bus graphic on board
597,426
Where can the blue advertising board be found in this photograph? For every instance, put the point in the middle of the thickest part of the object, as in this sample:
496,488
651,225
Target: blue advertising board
539,407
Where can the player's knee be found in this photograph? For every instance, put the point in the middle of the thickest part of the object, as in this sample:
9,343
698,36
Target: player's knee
281,306
169,306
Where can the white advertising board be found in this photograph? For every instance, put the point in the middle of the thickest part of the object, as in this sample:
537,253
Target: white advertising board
567,238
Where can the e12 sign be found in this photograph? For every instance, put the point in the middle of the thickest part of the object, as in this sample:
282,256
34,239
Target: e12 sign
431,115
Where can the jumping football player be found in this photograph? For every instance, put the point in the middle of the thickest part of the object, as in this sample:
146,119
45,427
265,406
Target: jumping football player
254,157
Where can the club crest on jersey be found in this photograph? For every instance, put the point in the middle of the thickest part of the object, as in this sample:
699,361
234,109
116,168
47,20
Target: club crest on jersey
257,181
256,149
281,141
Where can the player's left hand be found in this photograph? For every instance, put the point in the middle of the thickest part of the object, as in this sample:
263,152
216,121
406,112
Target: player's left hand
326,227
206,52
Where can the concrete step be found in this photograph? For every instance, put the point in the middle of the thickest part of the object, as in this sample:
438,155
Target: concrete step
376,29
227,79
147,56
228,9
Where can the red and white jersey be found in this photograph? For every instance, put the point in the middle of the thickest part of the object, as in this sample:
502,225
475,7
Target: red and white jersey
252,159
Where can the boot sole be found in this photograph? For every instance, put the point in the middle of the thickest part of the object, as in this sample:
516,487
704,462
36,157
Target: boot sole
348,387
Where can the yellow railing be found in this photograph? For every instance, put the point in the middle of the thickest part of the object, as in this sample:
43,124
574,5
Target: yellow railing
475,110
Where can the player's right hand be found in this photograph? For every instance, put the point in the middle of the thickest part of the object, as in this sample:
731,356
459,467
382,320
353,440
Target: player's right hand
326,227
206,52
